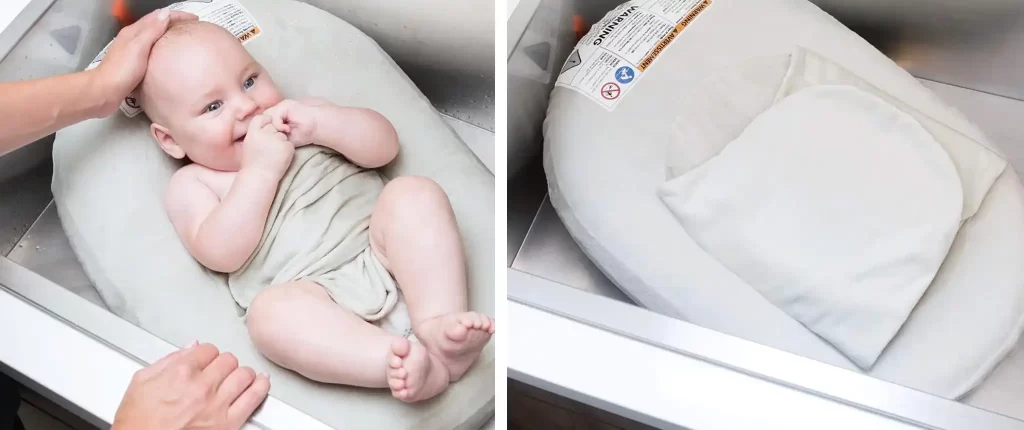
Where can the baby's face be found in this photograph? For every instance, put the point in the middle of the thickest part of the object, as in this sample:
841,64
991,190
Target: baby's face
201,90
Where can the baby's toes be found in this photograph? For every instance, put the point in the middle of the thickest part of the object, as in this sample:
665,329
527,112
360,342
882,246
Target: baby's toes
400,348
458,332
396,378
478,321
399,373
401,394
396,384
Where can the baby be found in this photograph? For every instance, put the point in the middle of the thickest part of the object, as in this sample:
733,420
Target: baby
211,102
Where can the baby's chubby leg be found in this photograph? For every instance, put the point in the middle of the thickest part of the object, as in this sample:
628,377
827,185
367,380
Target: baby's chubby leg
299,327
414,234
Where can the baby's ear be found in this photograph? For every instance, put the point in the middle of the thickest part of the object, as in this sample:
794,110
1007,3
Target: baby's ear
163,137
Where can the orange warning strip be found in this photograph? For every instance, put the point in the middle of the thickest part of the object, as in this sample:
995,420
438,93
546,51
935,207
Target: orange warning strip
665,41
122,13
578,27
249,34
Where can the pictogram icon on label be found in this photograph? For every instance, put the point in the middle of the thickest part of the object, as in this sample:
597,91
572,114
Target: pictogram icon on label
624,75
610,91
573,61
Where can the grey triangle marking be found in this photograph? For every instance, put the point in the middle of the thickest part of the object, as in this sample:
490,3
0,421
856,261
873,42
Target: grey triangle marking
539,53
67,37
573,61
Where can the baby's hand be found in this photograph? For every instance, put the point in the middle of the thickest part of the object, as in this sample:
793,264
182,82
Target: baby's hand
296,119
265,148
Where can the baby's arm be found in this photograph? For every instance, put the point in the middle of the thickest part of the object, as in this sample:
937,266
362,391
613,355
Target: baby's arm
220,234
363,136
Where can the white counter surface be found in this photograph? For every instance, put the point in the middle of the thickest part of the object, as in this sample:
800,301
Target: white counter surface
10,9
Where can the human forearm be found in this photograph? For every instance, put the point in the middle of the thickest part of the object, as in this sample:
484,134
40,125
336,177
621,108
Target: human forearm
30,110
363,136
230,234
33,109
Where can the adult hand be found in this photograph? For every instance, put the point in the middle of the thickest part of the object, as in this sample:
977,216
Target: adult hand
125,63
194,388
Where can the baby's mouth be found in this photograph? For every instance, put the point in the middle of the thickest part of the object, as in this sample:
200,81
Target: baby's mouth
240,139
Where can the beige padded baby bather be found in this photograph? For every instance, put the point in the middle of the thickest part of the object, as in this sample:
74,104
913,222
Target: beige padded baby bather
145,275
318,229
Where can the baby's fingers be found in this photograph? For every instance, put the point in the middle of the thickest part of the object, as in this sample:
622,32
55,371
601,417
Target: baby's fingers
258,122
277,117
270,129
280,125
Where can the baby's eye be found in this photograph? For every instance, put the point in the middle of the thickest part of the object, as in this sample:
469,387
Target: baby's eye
249,83
213,106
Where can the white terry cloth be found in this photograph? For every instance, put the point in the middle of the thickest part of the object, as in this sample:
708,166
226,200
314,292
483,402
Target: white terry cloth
835,206
318,229
977,166
697,141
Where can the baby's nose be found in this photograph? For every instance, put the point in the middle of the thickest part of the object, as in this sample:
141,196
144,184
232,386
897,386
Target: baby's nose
248,108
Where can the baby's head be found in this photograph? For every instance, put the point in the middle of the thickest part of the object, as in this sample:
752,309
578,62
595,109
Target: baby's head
201,89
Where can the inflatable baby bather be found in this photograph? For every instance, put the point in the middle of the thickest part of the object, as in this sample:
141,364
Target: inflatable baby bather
109,182
754,167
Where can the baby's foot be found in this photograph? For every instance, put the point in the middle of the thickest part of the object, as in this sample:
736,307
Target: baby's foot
413,373
456,339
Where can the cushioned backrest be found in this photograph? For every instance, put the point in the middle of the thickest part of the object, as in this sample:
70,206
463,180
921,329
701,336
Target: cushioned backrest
599,162
716,101
109,180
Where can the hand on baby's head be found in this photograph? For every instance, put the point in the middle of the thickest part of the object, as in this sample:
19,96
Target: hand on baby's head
201,90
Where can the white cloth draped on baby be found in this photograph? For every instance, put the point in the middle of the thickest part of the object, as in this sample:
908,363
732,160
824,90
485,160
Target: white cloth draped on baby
318,229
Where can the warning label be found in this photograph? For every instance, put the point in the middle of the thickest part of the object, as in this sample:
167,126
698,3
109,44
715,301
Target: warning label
612,57
226,13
